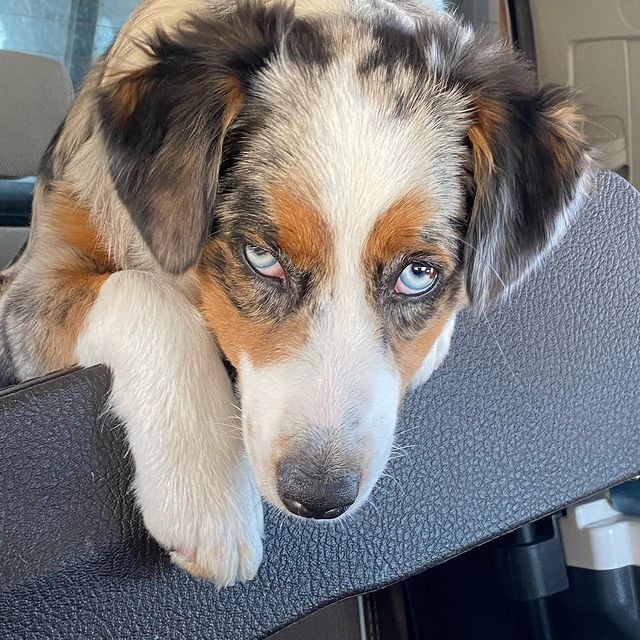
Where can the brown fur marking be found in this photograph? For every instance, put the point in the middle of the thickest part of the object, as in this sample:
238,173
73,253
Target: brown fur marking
410,354
71,223
77,293
234,99
128,89
73,281
566,113
566,137
303,234
402,229
306,239
399,229
261,340
489,117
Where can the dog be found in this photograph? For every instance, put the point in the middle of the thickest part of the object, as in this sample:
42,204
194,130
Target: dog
309,191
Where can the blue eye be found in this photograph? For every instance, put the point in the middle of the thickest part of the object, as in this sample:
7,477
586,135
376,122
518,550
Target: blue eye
416,278
264,262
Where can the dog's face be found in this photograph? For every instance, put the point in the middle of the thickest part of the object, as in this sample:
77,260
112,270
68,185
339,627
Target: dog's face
345,186
335,267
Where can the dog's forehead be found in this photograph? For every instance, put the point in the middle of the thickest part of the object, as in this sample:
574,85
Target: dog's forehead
356,140
342,178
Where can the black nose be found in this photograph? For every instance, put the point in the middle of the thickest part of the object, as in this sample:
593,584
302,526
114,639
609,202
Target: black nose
321,496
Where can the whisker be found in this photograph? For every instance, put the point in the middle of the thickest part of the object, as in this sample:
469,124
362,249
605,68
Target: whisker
605,129
502,282
519,382
409,430
393,479
385,490
282,518
375,506
402,447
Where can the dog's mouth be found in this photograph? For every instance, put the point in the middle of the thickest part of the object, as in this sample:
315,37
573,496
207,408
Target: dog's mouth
232,372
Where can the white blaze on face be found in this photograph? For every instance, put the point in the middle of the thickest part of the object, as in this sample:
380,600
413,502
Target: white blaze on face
340,392
337,396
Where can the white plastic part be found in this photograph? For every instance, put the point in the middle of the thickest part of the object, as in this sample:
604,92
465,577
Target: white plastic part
594,46
596,536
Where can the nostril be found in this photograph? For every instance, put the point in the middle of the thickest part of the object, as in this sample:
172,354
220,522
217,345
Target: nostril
322,496
333,513
296,507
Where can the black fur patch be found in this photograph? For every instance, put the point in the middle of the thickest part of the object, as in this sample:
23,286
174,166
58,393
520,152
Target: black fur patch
164,124
45,169
397,47
308,44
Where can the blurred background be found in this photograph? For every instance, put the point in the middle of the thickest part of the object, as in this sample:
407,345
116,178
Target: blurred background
75,32
592,45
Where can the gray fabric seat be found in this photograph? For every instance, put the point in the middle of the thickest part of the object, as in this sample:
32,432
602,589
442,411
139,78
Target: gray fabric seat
36,93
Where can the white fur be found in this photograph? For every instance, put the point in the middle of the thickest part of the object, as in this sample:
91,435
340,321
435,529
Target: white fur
375,170
193,483
339,394
436,355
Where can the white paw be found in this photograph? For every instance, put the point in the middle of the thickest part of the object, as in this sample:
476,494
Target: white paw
217,537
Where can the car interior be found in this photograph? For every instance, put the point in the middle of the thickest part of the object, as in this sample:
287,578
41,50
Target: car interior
513,509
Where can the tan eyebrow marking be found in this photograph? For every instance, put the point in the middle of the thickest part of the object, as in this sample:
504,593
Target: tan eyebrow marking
303,234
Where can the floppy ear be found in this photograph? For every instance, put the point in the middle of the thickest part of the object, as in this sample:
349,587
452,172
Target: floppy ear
164,124
530,173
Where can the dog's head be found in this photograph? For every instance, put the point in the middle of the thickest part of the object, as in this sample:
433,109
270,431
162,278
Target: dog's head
345,184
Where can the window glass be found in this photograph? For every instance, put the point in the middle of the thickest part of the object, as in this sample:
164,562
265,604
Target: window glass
77,31
483,14
72,31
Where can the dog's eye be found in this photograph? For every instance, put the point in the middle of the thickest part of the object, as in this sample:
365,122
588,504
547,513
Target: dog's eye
416,278
264,262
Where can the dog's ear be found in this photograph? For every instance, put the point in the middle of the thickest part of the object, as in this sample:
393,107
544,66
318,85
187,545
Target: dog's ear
529,172
164,124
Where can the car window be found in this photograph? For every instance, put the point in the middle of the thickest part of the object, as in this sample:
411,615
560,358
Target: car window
74,32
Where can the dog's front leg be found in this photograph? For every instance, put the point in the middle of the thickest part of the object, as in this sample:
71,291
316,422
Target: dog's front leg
192,479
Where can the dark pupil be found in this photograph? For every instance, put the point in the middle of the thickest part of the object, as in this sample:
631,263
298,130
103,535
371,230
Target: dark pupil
419,269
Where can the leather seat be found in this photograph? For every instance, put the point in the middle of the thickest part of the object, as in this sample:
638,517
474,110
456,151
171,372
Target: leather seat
536,407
